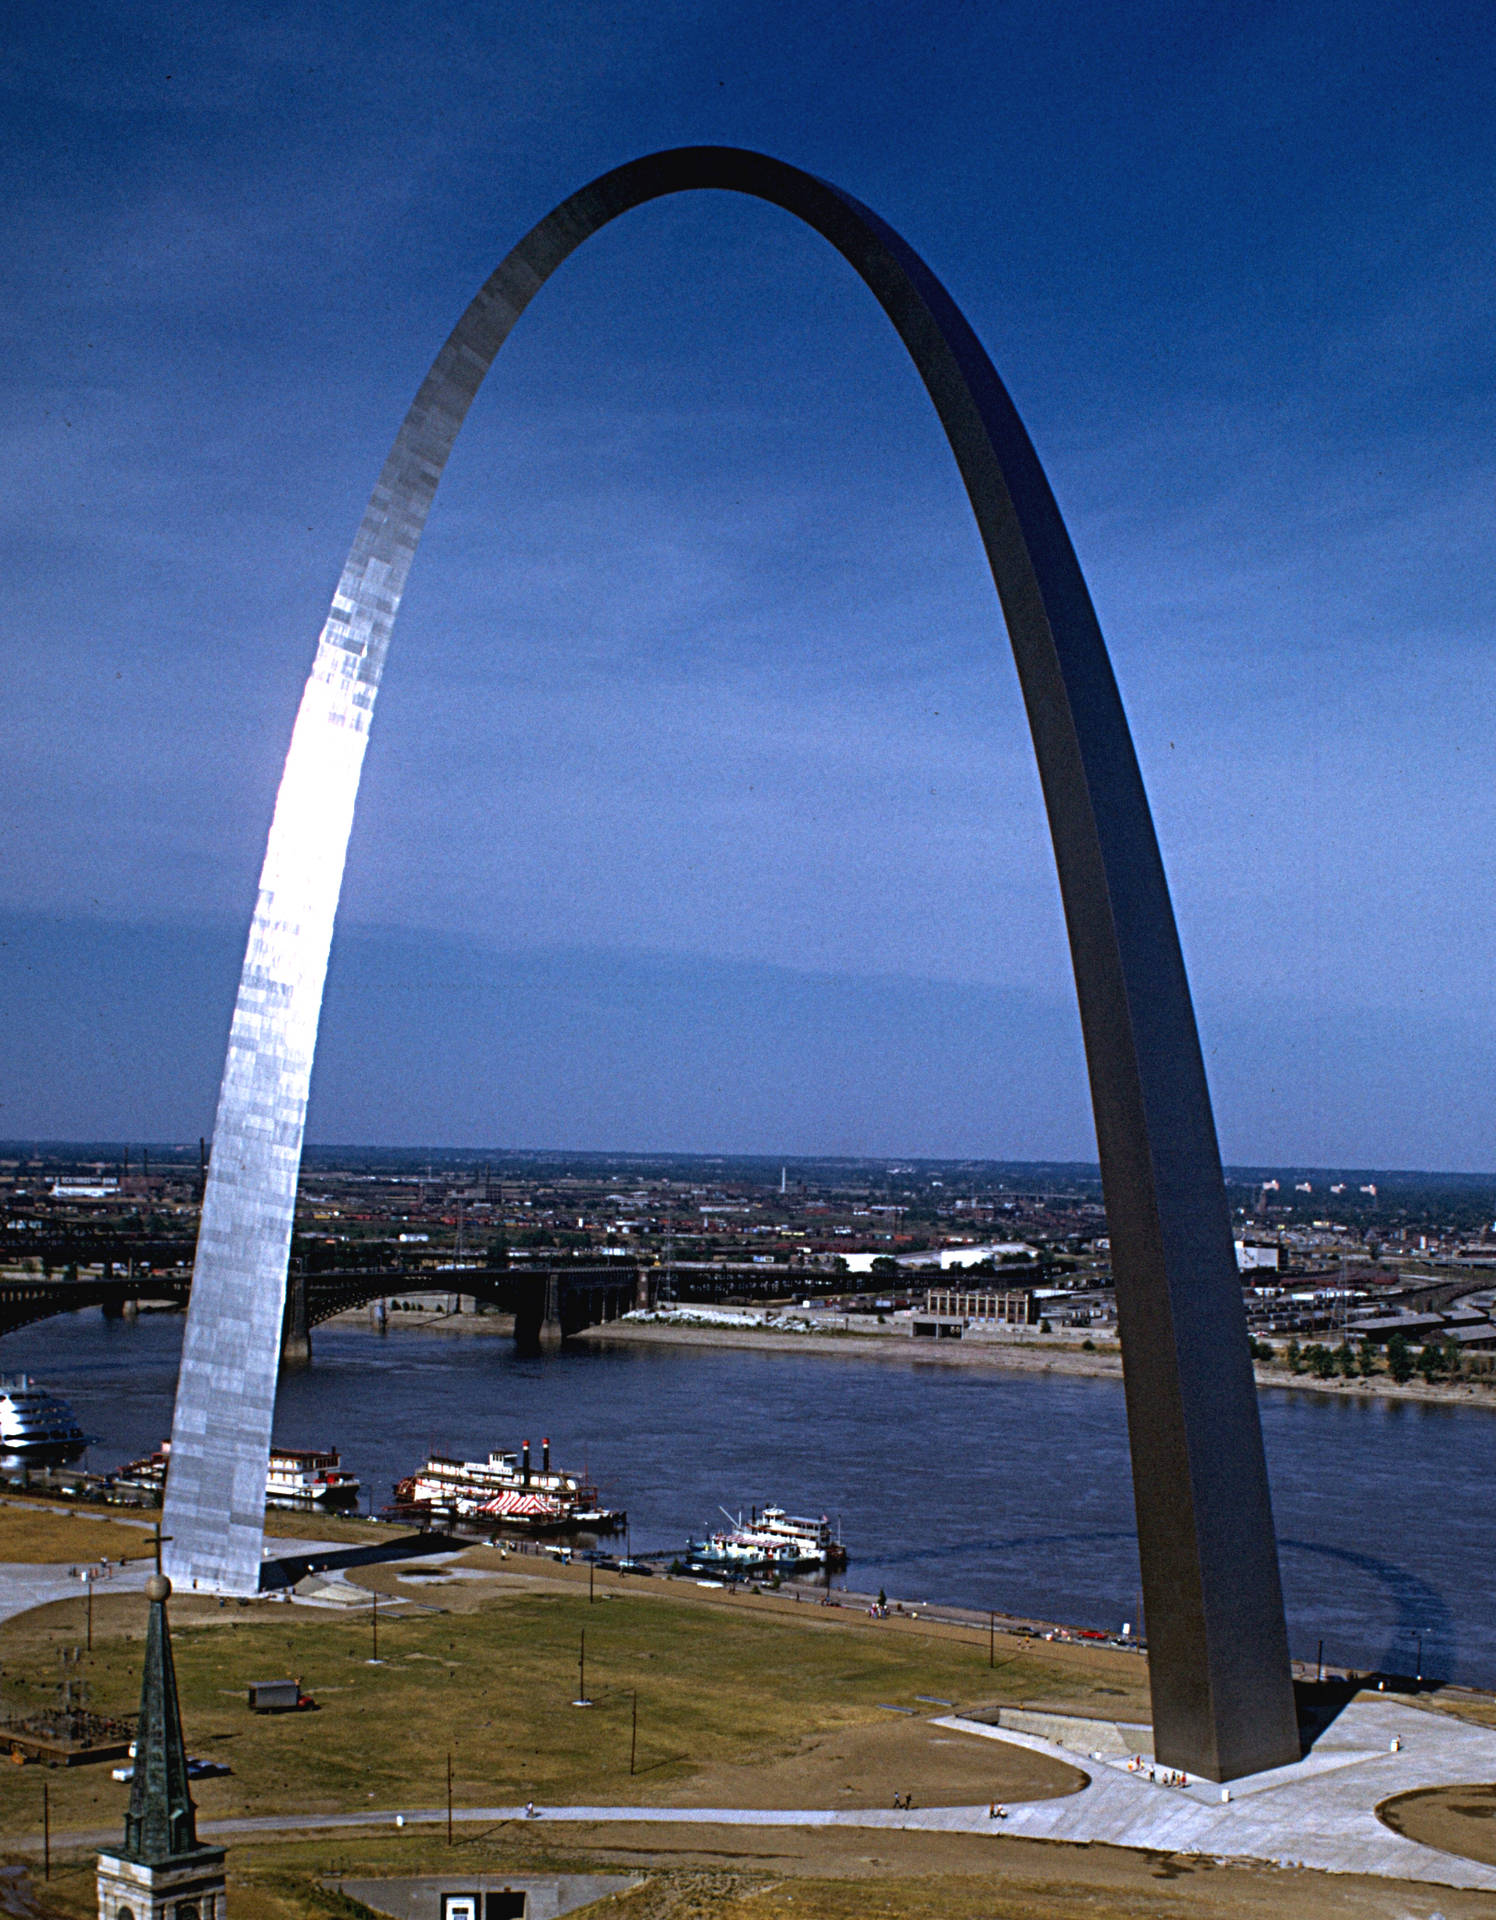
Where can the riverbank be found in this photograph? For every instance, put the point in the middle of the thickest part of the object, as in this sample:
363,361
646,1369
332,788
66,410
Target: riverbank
1025,1353
1028,1355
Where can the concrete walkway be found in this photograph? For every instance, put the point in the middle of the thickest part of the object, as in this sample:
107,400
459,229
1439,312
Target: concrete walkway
1320,1813
24,1586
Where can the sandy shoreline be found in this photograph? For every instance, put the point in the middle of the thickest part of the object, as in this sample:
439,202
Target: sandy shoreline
1008,1357
1003,1356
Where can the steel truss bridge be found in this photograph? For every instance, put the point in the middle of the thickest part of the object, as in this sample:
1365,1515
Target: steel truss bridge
549,1304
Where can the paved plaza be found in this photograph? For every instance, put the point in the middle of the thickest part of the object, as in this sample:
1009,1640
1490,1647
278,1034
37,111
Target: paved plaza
1320,1813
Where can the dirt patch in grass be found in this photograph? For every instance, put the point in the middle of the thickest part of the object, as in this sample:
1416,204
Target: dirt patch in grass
866,1765
1459,1819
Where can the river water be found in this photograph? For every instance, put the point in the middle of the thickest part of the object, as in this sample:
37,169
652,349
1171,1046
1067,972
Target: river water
958,1485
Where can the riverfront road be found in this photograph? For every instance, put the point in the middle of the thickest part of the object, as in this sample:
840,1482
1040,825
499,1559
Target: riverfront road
1318,1814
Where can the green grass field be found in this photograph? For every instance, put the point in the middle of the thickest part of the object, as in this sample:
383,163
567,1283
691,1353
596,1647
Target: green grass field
741,1701
493,1687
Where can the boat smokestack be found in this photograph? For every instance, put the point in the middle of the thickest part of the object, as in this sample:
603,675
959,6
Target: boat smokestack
524,1462
545,1456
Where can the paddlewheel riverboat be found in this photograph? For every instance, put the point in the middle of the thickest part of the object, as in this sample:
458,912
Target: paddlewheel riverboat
509,1492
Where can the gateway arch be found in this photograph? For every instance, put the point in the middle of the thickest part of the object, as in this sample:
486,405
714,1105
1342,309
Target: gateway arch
1222,1692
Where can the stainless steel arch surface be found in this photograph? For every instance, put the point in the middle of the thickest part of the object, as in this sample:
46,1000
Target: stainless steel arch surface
1222,1694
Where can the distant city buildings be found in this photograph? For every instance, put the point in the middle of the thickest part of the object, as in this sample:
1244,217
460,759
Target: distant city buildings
1353,1259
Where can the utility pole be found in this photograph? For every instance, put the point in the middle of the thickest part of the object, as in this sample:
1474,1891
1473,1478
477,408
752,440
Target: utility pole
449,1799
46,1831
581,1699
88,1589
634,1731
374,1621
591,1577
991,1639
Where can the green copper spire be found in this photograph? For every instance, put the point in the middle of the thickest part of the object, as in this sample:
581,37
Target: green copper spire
161,1825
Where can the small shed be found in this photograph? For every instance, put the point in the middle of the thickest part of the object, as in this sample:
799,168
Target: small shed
277,1696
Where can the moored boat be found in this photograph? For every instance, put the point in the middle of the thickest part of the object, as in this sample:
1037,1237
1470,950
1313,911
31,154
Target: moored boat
298,1479
37,1428
769,1542
509,1492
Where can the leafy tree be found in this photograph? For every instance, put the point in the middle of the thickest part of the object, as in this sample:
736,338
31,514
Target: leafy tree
1431,1362
1345,1360
1295,1357
1262,1351
1321,1360
1399,1359
1366,1361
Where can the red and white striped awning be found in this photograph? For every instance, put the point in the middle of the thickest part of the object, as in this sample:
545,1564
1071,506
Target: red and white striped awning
529,1506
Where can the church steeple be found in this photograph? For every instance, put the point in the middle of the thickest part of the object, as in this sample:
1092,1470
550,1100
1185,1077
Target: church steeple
161,1826
163,1871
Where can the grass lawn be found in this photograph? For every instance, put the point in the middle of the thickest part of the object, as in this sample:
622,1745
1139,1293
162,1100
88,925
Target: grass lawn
722,1689
37,1536
36,1529
743,1701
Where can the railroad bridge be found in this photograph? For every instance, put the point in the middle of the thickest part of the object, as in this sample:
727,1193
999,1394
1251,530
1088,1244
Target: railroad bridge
549,1304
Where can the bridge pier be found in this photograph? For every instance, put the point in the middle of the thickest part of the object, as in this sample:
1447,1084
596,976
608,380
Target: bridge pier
551,1331
537,1315
296,1333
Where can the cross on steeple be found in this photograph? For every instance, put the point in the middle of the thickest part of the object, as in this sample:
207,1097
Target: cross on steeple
162,1871
161,1823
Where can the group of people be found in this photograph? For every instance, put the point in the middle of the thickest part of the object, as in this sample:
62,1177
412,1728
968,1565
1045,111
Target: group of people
1160,1776
904,1800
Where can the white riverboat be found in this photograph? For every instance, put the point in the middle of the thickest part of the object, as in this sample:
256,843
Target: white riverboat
37,1428
769,1542
298,1479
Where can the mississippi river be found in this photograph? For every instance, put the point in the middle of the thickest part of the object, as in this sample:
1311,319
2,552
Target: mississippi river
973,1487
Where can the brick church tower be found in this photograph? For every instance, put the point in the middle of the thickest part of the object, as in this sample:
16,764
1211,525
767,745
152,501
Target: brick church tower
161,1872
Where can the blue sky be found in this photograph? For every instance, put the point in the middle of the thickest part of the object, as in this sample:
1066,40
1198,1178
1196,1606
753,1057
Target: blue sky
700,812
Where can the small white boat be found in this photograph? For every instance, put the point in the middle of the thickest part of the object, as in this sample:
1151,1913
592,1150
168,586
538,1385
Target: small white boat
769,1542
